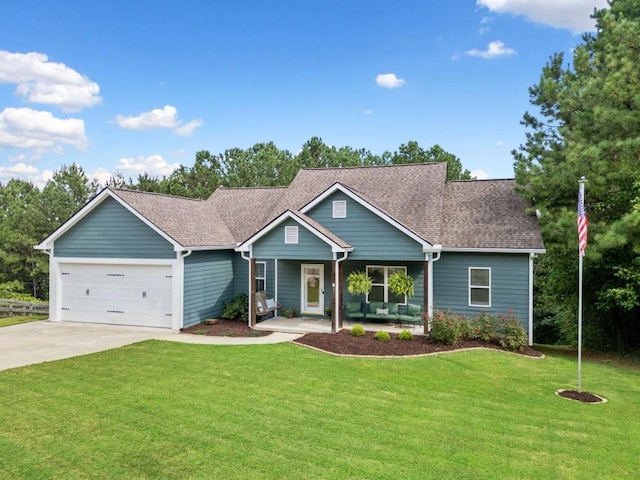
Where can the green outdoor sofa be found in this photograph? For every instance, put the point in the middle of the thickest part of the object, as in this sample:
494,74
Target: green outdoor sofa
413,315
383,312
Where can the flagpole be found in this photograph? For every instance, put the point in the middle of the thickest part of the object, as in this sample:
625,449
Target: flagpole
580,257
580,318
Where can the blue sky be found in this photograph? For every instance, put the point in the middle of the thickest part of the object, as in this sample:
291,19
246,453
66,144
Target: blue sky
135,86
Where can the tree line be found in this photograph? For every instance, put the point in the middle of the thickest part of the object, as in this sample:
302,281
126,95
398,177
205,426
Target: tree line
28,214
587,123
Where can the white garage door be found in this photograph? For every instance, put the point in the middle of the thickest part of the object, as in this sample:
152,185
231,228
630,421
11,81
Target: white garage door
117,294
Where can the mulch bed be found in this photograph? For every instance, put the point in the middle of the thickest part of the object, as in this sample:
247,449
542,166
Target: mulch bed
225,328
585,397
344,343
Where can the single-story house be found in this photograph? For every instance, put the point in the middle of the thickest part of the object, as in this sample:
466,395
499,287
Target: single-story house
138,258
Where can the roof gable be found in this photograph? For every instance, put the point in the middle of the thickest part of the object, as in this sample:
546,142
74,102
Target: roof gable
335,242
368,205
106,193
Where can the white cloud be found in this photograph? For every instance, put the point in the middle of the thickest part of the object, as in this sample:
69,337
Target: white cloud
26,172
39,131
573,15
153,165
494,49
484,30
499,143
367,111
389,80
479,174
50,83
187,129
101,175
165,117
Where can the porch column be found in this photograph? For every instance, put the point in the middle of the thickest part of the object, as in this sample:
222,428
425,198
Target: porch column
339,292
425,293
333,296
252,292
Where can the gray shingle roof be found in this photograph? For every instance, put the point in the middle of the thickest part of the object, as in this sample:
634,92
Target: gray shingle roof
190,222
460,214
487,214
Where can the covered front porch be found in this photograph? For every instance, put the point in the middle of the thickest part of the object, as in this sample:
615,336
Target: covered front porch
323,325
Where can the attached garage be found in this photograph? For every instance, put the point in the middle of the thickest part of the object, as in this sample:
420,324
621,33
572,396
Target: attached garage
116,294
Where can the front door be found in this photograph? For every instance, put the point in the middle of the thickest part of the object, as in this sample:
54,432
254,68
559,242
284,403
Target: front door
312,289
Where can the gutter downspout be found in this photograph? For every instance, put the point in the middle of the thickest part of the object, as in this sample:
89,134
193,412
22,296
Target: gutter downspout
251,300
531,257
336,307
53,306
180,310
433,257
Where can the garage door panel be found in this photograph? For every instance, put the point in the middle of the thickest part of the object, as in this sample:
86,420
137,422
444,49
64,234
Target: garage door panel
117,294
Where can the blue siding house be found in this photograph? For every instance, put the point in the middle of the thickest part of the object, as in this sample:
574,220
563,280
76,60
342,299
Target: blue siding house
140,258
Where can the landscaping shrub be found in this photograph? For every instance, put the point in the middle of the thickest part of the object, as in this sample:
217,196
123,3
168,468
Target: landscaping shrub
358,331
446,328
484,326
514,337
237,308
405,335
382,336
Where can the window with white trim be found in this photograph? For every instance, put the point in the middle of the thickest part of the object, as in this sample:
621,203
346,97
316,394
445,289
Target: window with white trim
339,209
380,291
291,234
261,276
479,287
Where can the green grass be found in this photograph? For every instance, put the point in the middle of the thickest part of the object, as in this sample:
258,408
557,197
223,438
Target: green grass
6,321
168,410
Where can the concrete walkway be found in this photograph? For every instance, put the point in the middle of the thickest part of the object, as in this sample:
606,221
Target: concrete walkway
44,341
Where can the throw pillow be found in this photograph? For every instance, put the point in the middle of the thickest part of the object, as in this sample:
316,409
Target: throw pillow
382,311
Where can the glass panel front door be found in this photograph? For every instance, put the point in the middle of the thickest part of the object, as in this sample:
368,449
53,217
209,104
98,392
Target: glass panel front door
312,289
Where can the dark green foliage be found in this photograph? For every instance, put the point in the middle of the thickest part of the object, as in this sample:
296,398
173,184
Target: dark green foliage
382,336
589,125
405,335
358,331
237,308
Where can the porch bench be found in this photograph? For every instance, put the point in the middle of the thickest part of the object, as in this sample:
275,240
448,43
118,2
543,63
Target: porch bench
265,306
354,311
413,315
386,312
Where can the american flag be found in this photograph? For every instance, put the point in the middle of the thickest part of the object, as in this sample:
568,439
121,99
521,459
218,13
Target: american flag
582,222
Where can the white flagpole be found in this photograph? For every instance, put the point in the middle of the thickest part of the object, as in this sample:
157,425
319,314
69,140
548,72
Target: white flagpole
581,182
580,318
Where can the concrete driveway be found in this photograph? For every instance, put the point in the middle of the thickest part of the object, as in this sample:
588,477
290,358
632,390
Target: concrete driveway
43,341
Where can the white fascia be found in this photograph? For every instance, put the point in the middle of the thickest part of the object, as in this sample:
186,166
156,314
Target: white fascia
494,250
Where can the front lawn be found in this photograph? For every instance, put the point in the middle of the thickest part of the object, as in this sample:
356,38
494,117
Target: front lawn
6,321
169,410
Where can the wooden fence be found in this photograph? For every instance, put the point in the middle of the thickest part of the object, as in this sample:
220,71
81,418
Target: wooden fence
10,308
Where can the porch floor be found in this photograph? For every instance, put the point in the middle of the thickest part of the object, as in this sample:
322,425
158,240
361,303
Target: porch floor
323,325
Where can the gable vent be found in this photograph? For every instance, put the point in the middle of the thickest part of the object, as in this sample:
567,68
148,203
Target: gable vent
340,209
291,234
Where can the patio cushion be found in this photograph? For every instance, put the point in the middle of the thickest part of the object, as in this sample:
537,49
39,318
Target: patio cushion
393,308
382,311
354,307
413,309
373,306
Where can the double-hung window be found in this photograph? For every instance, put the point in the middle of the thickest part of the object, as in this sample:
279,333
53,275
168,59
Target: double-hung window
261,276
380,291
479,287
